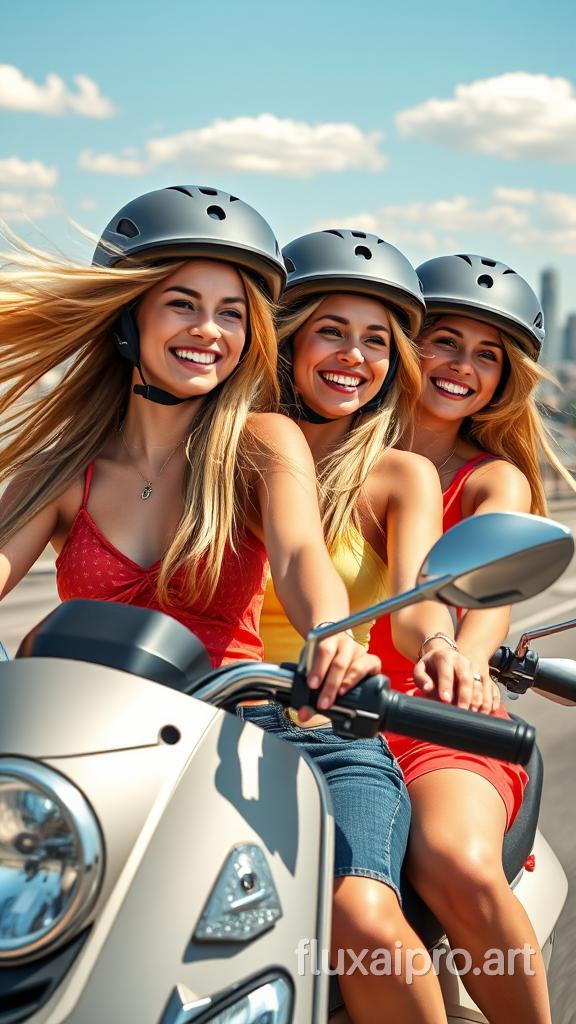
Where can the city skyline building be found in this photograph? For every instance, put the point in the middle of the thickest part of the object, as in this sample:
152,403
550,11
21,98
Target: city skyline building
549,296
569,352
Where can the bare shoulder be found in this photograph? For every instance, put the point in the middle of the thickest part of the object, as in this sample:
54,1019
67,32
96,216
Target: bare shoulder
65,504
497,486
403,469
281,435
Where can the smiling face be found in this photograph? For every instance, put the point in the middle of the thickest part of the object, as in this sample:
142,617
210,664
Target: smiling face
461,361
193,328
342,354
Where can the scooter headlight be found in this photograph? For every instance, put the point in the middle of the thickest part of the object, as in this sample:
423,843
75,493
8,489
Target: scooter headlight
51,858
268,1004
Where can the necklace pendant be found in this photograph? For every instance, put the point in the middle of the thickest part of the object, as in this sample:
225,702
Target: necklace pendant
146,492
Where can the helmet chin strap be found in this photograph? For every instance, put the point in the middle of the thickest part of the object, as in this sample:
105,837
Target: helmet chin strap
153,394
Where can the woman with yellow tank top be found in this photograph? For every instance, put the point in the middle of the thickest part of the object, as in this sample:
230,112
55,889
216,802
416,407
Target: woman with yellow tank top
350,378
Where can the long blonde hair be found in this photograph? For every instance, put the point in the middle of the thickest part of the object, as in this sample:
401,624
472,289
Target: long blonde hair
343,472
57,314
512,426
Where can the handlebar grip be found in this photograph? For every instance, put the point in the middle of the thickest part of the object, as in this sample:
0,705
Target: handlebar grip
558,676
465,730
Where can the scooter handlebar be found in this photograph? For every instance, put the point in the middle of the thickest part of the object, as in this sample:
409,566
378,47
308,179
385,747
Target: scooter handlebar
371,707
553,675
558,676
471,731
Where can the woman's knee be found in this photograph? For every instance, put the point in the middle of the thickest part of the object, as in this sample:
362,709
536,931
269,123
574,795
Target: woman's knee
367,914
465,877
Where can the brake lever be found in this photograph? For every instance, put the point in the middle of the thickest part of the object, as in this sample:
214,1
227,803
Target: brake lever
517,673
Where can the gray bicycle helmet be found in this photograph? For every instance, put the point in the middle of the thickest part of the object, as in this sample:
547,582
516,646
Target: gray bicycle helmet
488,291
194,220
354,261
186,221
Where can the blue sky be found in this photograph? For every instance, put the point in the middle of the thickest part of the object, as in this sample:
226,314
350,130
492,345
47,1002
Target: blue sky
351,135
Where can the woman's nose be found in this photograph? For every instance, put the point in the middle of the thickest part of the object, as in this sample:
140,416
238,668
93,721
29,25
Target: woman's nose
205,328
351,354
462,361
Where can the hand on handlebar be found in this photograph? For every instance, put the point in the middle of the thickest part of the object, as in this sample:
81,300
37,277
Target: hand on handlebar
456,680
339,664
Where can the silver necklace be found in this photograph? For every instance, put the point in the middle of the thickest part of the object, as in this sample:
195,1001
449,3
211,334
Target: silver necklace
146,491
446,460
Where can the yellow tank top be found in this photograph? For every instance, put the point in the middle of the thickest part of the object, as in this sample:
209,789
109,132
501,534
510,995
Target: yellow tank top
366,578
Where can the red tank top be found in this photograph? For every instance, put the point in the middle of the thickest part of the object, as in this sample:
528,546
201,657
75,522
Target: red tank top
395,665
89,566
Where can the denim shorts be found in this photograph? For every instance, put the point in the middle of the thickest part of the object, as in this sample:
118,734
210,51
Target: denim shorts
369,799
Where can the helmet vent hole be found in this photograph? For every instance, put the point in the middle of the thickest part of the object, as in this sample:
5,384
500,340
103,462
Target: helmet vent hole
179,188
208,191
421,286
127,228
485,281
488,263
234,199
466,259
363,251
290,265
539,320
216,212
381,241
358,234
509,271
330,231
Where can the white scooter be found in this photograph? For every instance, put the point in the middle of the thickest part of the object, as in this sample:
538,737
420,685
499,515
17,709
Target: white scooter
162,862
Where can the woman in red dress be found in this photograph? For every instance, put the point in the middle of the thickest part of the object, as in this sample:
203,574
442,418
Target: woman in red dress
477,421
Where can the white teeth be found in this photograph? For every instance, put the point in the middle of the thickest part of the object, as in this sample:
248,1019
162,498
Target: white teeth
341,378
196,357
454,389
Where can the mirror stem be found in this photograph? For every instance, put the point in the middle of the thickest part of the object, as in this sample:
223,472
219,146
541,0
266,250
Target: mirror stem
426,591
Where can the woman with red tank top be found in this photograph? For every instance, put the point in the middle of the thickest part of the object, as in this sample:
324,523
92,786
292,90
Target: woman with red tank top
477,421
155,466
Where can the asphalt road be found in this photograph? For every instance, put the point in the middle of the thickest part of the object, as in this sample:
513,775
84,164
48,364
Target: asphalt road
556,726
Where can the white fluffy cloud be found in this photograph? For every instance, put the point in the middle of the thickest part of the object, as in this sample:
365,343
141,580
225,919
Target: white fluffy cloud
18,173
522,217
53,97
422,224
110,163
21,206
517,116
259,145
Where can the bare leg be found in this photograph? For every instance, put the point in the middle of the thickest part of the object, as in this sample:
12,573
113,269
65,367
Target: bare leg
367,916
454,862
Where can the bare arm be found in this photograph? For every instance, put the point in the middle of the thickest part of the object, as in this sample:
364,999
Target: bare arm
413,525
19,553
497,487
305,580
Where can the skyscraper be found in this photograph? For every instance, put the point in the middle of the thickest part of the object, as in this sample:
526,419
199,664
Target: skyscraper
570,338
552,350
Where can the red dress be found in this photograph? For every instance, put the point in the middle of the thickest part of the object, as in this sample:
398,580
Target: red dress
417,757
89,566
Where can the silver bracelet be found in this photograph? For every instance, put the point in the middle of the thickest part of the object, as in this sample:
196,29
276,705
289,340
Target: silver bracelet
348,632
438,636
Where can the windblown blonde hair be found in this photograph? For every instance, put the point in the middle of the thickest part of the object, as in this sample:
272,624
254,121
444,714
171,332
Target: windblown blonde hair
55,313
511,426
343,473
